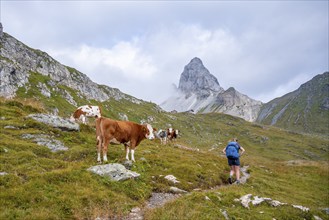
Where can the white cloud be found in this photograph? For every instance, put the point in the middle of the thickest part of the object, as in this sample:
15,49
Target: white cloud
260,48
124,58
284,88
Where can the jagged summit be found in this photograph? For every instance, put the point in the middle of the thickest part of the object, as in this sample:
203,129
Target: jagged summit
200,91
196,78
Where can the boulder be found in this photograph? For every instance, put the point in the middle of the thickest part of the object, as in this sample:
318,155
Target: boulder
47,141
176,190
171,178
115,171
56,122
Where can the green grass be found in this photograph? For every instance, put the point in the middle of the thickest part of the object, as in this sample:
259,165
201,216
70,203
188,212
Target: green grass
40,184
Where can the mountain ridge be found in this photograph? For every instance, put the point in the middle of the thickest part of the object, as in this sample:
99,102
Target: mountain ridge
19,62
305,109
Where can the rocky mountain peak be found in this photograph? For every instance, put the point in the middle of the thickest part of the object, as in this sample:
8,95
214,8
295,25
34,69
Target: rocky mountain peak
196,78
201,92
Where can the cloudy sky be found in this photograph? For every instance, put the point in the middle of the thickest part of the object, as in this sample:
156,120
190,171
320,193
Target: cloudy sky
264,49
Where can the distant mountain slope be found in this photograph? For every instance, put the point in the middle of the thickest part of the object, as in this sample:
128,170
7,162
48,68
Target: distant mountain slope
305,109
200,91
26,72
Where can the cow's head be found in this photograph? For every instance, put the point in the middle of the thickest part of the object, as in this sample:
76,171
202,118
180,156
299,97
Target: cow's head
149,134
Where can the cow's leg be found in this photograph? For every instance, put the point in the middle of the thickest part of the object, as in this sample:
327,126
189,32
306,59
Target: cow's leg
99,148
83,119
127,152
105,145
132,152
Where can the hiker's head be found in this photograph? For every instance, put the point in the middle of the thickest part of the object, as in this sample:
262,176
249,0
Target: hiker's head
235,139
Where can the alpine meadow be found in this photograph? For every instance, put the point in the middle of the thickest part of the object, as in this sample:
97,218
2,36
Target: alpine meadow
45,170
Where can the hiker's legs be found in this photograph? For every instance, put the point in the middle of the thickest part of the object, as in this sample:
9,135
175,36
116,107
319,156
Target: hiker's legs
237,172
232,171
230,179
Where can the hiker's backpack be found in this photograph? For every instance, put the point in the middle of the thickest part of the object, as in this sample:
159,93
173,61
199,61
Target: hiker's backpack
232,150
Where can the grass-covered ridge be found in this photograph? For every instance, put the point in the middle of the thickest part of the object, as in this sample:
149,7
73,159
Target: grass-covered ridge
39,184
304,110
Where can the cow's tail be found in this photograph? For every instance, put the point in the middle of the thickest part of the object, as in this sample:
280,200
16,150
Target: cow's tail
99,132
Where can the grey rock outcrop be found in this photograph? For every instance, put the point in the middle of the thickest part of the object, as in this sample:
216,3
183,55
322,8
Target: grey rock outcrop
56,122
115,171
47,141
200,92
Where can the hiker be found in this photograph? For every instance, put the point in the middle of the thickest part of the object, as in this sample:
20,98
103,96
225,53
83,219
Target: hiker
233,157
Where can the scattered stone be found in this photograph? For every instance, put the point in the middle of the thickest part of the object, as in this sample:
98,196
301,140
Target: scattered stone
123,117
177,190
304,209
224,212
197,189
245,200
136,214
258,200
44,90
171,178
276,203
317,217
56,122
11,127
3,173
47,141
115,171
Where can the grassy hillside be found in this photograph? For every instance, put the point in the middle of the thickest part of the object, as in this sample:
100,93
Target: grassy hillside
305,109
285,166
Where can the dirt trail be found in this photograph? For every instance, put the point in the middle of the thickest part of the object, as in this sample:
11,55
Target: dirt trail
159,199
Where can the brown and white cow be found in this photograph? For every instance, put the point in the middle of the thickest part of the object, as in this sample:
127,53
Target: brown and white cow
128,133
172,134
85,111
